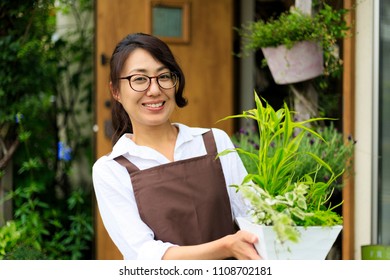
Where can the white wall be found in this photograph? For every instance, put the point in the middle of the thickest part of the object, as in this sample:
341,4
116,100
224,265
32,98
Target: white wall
364,122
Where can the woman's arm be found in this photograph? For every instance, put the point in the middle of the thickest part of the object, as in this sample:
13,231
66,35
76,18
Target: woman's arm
238,245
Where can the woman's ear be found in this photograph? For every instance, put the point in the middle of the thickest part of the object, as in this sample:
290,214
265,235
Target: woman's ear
114,93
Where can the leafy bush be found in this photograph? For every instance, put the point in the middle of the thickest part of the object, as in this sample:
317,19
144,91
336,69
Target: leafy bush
9,237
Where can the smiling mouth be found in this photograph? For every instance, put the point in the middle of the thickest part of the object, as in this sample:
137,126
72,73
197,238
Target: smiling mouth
154,105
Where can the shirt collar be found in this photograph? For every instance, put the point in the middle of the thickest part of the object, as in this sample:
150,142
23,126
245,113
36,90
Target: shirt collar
126,145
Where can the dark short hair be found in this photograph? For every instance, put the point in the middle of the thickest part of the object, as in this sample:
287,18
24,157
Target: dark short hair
161,52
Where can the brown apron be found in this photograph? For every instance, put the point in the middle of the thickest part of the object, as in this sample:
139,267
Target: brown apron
184,202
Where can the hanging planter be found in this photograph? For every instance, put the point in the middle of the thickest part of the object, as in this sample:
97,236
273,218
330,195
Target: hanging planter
301,62
314,243
283,42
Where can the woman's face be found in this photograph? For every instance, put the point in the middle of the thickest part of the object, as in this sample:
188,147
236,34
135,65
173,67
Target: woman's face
153,106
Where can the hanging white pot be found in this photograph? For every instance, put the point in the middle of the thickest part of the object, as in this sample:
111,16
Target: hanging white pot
302,62
314,243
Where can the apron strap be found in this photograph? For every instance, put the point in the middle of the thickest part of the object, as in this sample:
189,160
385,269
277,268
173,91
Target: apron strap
126,163
208,139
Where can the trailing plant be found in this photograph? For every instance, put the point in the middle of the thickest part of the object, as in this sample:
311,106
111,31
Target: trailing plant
277,196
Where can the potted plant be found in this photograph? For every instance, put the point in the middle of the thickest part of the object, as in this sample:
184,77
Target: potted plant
296,45
283,204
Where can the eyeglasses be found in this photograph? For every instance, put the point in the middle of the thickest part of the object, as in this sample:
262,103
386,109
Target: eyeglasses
140,82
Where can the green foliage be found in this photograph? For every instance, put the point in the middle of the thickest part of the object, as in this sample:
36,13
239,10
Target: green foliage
45,106
9,237
325,27
25,252
15,246
278,193
335,151
289,28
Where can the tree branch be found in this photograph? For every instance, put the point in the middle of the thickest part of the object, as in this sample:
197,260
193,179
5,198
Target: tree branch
8,155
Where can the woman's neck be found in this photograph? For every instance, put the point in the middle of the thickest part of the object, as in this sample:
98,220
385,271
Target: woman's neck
159,138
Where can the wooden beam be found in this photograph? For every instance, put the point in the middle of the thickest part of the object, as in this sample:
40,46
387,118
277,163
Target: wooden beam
348,129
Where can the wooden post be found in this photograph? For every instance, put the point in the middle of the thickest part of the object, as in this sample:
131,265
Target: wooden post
348,129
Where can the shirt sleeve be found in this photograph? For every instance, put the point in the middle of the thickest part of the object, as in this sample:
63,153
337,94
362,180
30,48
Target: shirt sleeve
234,172
119,212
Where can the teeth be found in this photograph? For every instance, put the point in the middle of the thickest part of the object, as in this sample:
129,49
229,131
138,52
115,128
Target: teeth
155,105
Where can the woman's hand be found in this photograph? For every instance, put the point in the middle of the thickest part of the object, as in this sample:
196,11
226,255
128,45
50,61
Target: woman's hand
241,245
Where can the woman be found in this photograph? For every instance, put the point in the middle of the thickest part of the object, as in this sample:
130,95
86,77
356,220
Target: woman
161,192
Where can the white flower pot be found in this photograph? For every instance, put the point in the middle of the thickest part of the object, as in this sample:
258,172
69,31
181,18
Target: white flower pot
314,244
302,62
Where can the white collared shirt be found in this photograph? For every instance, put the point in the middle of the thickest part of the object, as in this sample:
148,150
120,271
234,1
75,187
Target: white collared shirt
115,197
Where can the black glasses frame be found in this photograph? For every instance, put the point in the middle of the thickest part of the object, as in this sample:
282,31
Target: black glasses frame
173,74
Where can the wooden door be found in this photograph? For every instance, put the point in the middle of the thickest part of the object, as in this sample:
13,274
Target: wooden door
206,60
